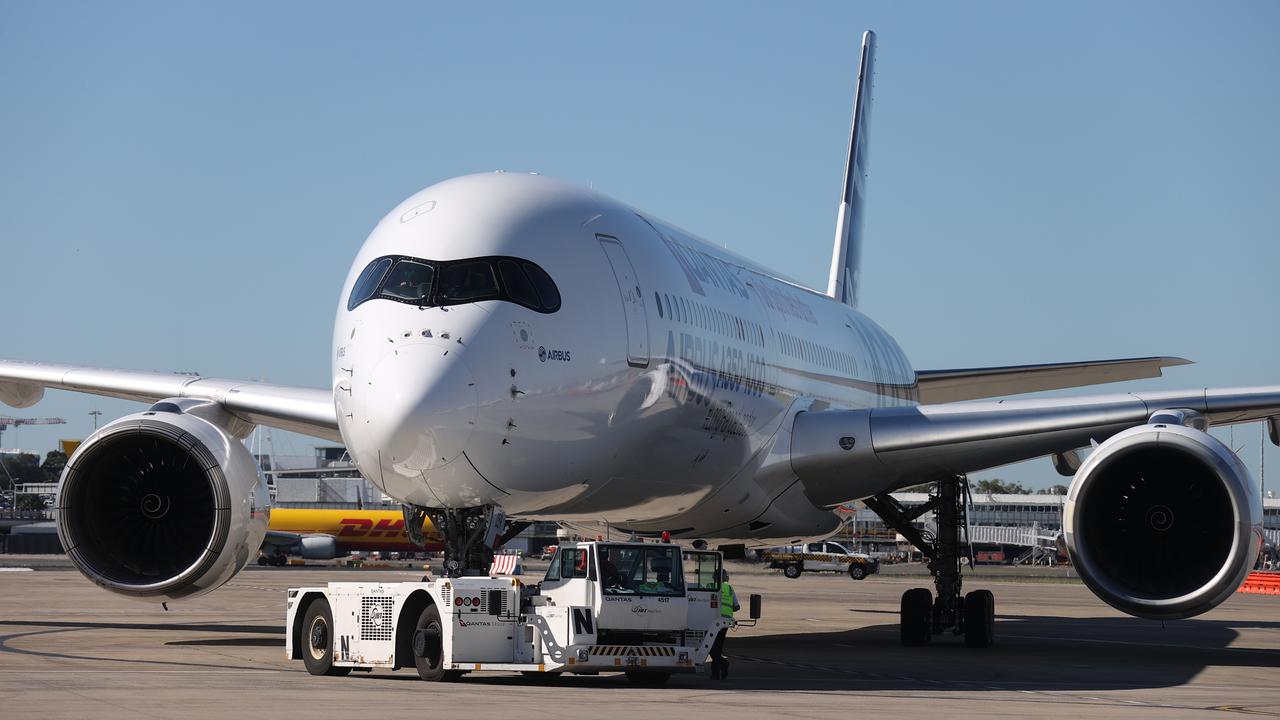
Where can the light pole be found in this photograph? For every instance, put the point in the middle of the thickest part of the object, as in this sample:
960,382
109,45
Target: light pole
96,414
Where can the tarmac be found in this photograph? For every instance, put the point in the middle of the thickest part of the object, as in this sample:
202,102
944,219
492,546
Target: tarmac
826,645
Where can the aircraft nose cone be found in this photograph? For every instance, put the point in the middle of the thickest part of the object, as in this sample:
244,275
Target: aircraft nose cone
418,407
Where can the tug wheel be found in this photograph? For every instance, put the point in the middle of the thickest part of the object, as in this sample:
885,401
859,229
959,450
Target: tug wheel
428,647
317,640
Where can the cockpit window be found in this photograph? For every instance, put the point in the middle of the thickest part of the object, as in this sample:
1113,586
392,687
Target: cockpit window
367,284
546,286
466,281
409,280
517,284
429,283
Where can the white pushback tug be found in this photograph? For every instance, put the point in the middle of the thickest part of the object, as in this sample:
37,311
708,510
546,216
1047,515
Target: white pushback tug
646,609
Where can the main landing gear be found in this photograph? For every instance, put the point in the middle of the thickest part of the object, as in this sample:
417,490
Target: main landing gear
922,615
469,534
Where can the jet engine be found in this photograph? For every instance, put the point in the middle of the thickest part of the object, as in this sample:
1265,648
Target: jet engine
1163,521
319,547
163,504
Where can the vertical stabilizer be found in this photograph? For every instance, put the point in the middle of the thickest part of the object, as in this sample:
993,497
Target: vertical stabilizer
842,284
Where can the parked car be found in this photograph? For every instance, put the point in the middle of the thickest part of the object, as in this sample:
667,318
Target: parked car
827,556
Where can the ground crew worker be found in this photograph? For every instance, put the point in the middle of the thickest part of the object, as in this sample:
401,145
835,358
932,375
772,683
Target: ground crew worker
728,606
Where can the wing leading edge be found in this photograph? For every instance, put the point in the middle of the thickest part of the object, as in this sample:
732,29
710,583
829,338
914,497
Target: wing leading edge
944,386
843,455
308,411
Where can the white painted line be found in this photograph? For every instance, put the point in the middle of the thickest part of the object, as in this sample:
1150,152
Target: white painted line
15,569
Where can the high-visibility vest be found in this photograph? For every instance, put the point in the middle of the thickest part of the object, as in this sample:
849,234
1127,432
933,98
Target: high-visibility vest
728,599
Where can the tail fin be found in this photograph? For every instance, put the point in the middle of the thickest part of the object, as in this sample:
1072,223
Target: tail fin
843,281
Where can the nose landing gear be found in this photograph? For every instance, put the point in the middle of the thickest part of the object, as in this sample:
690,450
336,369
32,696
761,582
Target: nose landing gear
922,615
470,534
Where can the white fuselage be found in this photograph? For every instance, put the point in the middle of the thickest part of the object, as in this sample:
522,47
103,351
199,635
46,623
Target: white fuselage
658,396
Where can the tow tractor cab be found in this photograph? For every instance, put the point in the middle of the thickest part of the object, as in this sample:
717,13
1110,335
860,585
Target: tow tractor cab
646,609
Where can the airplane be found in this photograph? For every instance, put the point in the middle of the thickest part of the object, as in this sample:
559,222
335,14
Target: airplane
324,534
510,347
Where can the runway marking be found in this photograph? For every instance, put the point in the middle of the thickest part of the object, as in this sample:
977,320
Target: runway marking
16,569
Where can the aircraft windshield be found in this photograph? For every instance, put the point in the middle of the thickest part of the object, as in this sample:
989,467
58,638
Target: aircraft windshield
641,570
409,280
429,283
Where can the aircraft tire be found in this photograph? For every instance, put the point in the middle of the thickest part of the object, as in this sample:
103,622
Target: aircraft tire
792,571
428,647
317,640
979,619
916,617
857,572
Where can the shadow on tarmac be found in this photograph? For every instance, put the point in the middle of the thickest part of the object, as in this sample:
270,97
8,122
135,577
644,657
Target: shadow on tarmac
1032,653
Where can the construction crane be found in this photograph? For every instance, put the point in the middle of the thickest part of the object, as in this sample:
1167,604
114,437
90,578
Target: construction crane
7,422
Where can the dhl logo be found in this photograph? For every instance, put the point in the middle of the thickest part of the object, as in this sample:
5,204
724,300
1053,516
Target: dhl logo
353,529
365,528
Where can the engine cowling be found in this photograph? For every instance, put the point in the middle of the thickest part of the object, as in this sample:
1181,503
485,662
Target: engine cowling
319,547
1163,521
163,504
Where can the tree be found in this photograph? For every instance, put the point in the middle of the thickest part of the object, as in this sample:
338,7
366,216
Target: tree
30,502
994,486
1053,490
23,468
53,464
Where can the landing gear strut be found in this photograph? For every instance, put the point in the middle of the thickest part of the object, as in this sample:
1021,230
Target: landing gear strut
922,615
470,534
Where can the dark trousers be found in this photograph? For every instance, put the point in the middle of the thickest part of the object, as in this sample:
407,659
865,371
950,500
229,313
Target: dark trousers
719,666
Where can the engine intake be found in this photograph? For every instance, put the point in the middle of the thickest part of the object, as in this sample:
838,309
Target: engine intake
1163,521
161,505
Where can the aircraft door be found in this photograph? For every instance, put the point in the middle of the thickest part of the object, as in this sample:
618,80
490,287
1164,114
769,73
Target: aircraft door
632,301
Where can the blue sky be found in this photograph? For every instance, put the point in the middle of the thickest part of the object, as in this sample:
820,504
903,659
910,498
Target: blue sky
183,186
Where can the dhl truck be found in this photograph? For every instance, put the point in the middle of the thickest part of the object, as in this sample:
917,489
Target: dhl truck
648,610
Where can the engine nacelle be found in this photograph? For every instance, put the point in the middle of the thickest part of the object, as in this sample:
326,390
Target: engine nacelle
319,547
162,504
1163,521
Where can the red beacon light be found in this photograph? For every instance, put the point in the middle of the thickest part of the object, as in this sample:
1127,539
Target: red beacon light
666,536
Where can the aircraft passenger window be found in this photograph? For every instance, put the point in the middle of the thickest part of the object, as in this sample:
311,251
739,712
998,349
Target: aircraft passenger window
545,285
666,300
367,284
463,281
517,284
658,301
409,280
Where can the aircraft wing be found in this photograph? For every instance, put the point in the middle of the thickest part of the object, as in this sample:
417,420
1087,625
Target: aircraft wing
944,386
305,410
843,455
282,538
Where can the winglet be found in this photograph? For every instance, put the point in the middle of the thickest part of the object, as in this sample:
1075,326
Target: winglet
842,283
